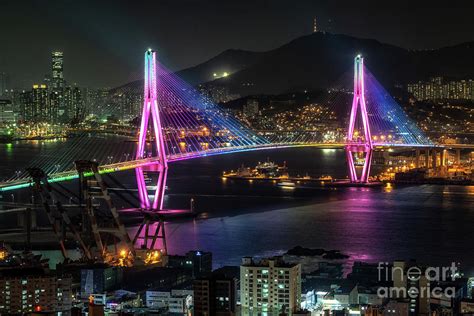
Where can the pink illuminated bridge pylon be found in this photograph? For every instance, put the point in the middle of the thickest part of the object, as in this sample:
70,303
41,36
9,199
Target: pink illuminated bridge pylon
151,109
356,144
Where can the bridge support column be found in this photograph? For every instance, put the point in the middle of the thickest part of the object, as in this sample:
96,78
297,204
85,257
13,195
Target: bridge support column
427,158
417,158
457,159
151,108
434,158
355,145
444,156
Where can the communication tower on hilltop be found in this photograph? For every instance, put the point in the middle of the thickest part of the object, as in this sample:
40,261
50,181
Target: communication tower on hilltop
315,26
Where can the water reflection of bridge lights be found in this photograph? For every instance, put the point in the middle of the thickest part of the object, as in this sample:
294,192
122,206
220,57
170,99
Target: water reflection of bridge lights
328,151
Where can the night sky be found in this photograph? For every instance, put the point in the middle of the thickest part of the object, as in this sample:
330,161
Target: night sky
103,41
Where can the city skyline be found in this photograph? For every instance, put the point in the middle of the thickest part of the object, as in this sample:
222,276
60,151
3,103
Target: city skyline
200,33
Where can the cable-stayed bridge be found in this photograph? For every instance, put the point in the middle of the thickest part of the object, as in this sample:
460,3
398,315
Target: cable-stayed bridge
179,123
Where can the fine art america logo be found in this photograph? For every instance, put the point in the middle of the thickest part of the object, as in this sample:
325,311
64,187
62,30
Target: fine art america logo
414,282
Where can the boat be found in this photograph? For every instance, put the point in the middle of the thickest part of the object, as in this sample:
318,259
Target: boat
263,170
325,178
286,183
244,172
269,169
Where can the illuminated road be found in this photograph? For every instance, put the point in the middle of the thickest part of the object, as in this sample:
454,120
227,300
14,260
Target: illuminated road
128,165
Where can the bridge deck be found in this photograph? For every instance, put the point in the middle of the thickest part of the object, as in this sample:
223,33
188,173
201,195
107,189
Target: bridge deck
132,164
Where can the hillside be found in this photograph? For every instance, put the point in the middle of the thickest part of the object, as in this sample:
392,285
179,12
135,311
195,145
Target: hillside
318,60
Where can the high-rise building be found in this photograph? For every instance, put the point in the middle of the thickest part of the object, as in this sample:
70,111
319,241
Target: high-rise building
200,262
3,83
57,70
99,278
129,104
216,294
72,105
55,102
7,116
270,285
436,89
419,305
96,102
25,104
26,293
37,106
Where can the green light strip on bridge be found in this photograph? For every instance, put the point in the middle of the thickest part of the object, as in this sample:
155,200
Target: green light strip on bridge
52,180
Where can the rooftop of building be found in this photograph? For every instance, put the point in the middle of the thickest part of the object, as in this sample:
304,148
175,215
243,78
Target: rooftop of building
24,272
157,278
223,273
191,253
276,262
327,285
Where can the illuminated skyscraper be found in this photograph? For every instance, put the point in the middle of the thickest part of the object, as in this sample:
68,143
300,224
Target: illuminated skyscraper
55,101
269,285
38,110
57,70
437,89
6,112
73,103
315,26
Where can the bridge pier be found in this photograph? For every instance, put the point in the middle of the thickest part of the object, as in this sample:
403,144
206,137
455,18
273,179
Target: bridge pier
434,158
151,110
444,157
417,159
427,158
457,159
355,146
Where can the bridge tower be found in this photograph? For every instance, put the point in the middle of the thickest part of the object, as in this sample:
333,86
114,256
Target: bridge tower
151,108
356,144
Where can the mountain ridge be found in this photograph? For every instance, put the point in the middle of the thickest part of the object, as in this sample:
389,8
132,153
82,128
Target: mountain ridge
316,60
